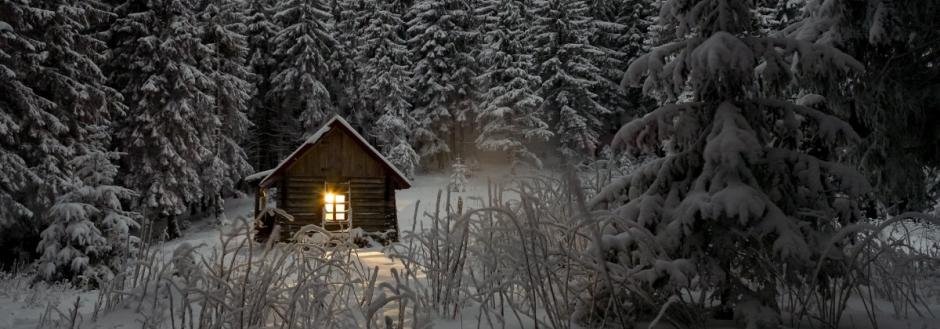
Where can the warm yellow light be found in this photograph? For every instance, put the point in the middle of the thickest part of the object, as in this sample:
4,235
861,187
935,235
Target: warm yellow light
340,198
330,198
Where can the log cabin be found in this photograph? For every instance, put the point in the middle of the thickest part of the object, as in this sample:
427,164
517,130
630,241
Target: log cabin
335,180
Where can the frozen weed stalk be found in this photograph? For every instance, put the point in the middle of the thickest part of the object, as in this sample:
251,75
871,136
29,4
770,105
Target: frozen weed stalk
241,284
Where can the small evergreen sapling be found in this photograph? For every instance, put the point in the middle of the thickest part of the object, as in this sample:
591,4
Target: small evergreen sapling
90,235
458,176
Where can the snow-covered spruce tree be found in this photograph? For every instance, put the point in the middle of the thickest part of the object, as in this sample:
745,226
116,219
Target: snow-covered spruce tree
262,147
222,25
302,49
736,207
620,29
638,21
383,58
156,64
609,35
350,18
458,176
54,105
567,64
442,39
775,15
509,114
21,109
90,236
893,104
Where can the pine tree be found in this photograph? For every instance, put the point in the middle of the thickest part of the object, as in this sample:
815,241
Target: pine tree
442,42
222,27
89,240
509,114
609,35
566,62
261,28
892,104
21,109
157,65
302,49
383,57
350,18
54,106
458,176
749,187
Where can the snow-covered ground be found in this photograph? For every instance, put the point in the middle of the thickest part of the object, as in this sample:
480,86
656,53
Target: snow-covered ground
23,304
425,189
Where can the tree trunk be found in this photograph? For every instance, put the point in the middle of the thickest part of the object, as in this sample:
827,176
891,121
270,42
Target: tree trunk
173,227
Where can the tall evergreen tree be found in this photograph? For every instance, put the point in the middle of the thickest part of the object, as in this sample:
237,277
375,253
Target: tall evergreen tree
567,64
156,63
609,35
222,25
383,57
442,41
54,105
893,104
509,115
750,188
261,28
302,49
350,18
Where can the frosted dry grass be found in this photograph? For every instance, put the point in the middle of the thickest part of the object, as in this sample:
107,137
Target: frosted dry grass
893,269
521,261
510,259
528,262
242,284
18,286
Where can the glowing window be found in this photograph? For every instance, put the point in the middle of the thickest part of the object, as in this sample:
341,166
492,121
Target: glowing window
334,206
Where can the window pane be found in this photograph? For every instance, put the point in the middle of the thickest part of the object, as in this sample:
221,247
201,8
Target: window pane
340,208
340,198
329,207
330,198
329,216
341,216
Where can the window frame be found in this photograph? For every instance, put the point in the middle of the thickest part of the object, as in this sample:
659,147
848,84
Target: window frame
330,216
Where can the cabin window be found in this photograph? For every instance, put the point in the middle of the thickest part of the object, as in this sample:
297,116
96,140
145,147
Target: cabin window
335,207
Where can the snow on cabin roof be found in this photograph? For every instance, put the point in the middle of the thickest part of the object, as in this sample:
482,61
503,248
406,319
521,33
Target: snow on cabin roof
313,139
258,175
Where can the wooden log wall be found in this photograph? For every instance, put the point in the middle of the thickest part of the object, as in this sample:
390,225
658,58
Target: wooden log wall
335,160
372,202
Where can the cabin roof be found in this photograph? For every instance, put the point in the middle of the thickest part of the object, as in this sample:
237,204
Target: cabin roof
270,176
